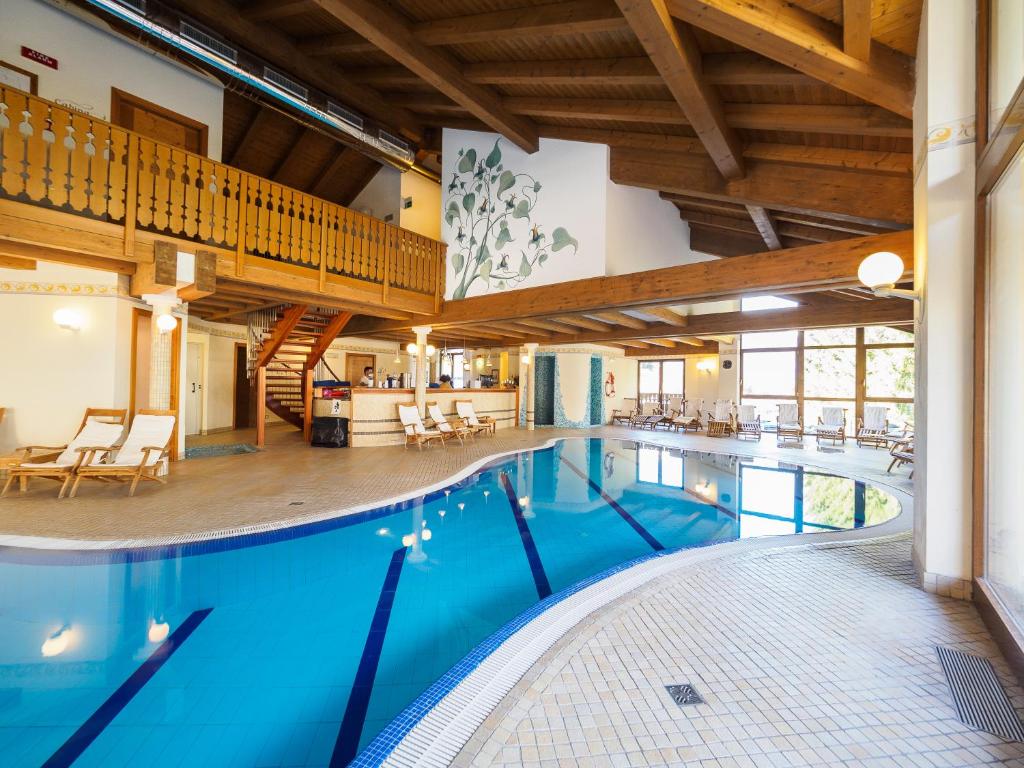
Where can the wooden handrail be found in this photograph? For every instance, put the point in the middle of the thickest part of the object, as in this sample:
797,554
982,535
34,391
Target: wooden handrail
56,157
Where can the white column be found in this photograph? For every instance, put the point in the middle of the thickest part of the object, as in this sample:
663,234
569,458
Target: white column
943,273
422,366
530,380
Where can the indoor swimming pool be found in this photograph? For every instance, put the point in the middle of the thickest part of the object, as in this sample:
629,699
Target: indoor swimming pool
298,647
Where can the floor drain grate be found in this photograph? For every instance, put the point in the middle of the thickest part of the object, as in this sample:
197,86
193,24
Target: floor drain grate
979,698
684,694
296,503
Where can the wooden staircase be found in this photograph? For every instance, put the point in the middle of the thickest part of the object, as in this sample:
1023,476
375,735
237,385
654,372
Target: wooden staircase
289,352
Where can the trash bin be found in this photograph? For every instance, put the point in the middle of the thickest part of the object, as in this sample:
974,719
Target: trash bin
330,432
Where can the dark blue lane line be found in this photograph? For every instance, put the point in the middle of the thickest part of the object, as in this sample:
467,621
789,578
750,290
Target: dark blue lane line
540,578
347,744
644,533
80,740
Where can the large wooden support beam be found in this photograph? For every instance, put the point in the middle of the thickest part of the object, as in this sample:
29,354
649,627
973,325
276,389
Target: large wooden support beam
327,335
826,265
393,35
675,54
857,28
804,41
205,278
280,332
765,226
16,262
158,275
835,193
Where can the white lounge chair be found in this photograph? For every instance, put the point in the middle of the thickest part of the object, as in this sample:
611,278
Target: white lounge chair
831,425
689,416
139,458
749,423
415,432
442,425
789,427
626,413
648,416
468,415
92,435
874,427
720,420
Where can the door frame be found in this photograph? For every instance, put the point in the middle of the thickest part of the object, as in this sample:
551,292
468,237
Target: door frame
138,312
234,382
120,100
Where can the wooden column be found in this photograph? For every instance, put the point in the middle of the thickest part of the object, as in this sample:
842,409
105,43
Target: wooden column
307,404
261,406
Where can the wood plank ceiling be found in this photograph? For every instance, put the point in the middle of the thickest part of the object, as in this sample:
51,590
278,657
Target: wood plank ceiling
769,124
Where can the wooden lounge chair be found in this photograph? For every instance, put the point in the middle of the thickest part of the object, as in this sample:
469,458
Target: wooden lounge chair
749,423
60,463
902,452
873,429
831,425
720,420
415,432
468,415
458,430
688,416
139,458
789,428
648,416
625,414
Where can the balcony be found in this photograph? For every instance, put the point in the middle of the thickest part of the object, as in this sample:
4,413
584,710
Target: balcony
79,190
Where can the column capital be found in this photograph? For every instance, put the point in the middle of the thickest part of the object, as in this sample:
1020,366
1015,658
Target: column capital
421,330
531,346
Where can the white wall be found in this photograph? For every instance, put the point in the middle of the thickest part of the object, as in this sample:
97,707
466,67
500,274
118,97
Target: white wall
425,195
643,232
943,258
381,198
92,60
51,375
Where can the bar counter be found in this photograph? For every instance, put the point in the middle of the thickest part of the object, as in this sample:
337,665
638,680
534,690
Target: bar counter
373,412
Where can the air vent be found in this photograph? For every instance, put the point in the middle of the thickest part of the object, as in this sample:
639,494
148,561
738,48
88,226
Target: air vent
345,115
209,42
285,83
393,142
139,6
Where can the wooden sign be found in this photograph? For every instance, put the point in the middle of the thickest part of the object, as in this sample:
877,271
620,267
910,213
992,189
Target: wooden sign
39,57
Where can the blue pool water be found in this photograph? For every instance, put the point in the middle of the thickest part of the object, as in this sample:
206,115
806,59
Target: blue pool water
298,647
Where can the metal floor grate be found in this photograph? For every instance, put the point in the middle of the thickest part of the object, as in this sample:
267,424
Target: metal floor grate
684,694
978,696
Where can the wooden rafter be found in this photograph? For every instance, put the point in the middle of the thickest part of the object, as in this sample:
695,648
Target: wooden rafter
394,35
253,128
800,39
857,28
765,226
674,52
621,318
811,233
666,315
330,170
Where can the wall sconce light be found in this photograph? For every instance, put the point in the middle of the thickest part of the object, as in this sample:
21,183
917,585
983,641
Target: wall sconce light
166,322
431,349
411,348
57,643
880,271
706,365
525,359
479,361
68,319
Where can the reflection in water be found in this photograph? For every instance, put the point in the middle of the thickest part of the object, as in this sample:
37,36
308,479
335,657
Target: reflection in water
250,687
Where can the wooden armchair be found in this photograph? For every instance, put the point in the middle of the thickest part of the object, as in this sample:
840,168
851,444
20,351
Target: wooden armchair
831,425
789,427
720,421
625,414
902,452
748,424
139,458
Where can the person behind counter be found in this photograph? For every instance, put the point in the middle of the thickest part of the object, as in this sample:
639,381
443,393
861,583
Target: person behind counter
445,382
367,380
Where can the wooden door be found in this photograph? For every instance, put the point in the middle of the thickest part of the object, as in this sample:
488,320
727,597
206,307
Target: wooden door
194,389
157,123
243,390
354,365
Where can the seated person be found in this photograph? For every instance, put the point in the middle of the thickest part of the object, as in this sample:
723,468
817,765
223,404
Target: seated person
367,380
446,382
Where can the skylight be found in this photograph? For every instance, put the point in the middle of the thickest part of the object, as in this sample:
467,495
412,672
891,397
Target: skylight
755,303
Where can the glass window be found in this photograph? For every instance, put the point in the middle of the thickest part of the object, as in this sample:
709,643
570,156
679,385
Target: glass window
890,372
900,415
767,409
886,334
672,377
830,337
830,372
1005,523
769,340
1006,56
769,373
755,303
650,377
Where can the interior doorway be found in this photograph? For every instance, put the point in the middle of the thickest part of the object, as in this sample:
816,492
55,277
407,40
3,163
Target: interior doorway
243,389
354,365
193,389
157,123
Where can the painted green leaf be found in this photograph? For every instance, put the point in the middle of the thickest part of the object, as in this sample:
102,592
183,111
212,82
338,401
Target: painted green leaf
504,236
522,210
467,161
524,267
561,238
483,254
450,217
468,201
458,261
505,181
494,157
542,257
485,271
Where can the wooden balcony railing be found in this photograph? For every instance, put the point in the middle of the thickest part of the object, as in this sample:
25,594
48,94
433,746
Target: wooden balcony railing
59,158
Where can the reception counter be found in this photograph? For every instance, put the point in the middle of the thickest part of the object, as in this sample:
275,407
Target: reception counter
373,413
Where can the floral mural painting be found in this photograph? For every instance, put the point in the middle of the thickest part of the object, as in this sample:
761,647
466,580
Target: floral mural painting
491,210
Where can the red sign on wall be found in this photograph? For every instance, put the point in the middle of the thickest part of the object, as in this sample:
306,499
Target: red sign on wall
41,58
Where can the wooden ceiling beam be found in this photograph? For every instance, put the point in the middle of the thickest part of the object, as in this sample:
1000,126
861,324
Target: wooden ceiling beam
673,50
840,120
583,322
831,193
893,163
621,318
253,128
794,270
804,41
666,315
854,228
792,231
284,169
857,29
662,343
275,46
395,37
765,226
272,10
547,325
329,171
17,262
